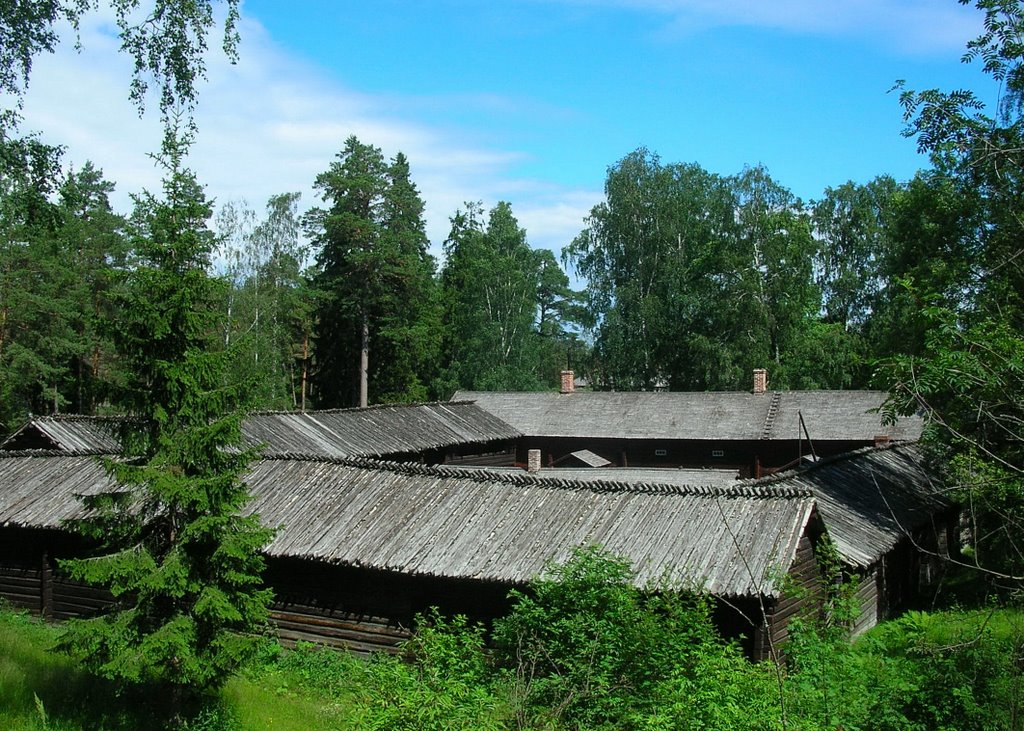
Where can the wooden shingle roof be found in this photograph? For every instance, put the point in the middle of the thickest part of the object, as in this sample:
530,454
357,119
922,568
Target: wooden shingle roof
438,521
870,499
68,433
371,432
682,476
691,415
38,489
375,431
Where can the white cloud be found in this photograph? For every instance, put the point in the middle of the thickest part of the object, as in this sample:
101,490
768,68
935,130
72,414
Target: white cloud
269,125
910,26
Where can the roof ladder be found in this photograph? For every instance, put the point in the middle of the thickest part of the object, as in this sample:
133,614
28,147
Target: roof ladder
773,411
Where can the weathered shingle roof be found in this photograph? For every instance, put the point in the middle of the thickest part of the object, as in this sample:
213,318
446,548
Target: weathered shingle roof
869,499
829,415
69,433
38,489
372,432
438,521
631,475
375,431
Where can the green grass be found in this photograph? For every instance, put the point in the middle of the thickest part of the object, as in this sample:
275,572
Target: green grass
42,689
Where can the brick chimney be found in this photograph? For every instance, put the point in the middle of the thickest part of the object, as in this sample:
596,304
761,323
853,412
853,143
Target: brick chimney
567,382
760,380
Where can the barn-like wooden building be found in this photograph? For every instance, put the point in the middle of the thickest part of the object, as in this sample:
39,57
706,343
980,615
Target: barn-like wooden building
756,433
384,512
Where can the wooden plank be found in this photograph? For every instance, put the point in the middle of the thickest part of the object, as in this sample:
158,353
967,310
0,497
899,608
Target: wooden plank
297,620
365,645
27,582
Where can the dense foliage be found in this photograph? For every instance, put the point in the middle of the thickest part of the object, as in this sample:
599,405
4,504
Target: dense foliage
966,372
692,279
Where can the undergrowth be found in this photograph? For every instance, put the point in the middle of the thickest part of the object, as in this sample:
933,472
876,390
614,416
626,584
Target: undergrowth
582,649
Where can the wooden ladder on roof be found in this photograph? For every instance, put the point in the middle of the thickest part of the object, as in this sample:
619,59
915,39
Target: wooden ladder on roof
773,412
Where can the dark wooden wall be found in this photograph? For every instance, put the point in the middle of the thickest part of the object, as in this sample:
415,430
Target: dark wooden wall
803,598
746,456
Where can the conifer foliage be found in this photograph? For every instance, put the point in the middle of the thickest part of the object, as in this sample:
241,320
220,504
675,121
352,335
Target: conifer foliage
374,277
179,556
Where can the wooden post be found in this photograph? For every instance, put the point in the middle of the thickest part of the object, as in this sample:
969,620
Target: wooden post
364,364
46,588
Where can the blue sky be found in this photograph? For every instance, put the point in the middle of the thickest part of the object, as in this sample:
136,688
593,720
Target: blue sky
528,100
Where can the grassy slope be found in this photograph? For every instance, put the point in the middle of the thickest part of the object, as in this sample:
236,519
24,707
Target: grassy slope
41,689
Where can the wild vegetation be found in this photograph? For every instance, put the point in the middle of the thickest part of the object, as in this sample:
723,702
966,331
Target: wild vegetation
581,649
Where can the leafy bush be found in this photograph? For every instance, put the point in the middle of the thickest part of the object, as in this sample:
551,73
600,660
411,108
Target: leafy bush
444,682
922,672
583,647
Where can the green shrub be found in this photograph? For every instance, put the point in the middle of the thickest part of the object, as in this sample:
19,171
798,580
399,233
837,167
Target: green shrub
923,672
584,648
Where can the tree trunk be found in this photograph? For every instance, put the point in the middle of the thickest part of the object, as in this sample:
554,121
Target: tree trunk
305,368
364,363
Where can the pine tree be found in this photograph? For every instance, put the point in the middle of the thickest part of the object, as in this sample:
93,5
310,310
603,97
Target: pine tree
177,553
374,281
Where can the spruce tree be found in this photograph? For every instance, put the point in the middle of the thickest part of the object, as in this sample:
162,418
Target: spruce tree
176,551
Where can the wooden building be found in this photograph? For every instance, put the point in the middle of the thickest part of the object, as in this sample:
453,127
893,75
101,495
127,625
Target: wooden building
756,433
432,433
364,545
890,522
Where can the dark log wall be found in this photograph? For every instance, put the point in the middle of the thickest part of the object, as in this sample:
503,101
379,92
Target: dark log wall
802,598
30,577
22,587
504,458
497,453
747,456
375,610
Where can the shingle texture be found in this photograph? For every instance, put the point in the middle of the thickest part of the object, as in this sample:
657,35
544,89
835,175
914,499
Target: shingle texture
869,499
73,434
38,489
436,521
633,475
829,415
735,540
440,522
373,432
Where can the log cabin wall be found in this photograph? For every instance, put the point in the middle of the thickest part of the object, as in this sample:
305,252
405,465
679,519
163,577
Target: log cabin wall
30,576
803,599
746,456
356,609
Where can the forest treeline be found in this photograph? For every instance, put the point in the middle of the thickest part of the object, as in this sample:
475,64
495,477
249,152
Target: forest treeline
690,280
